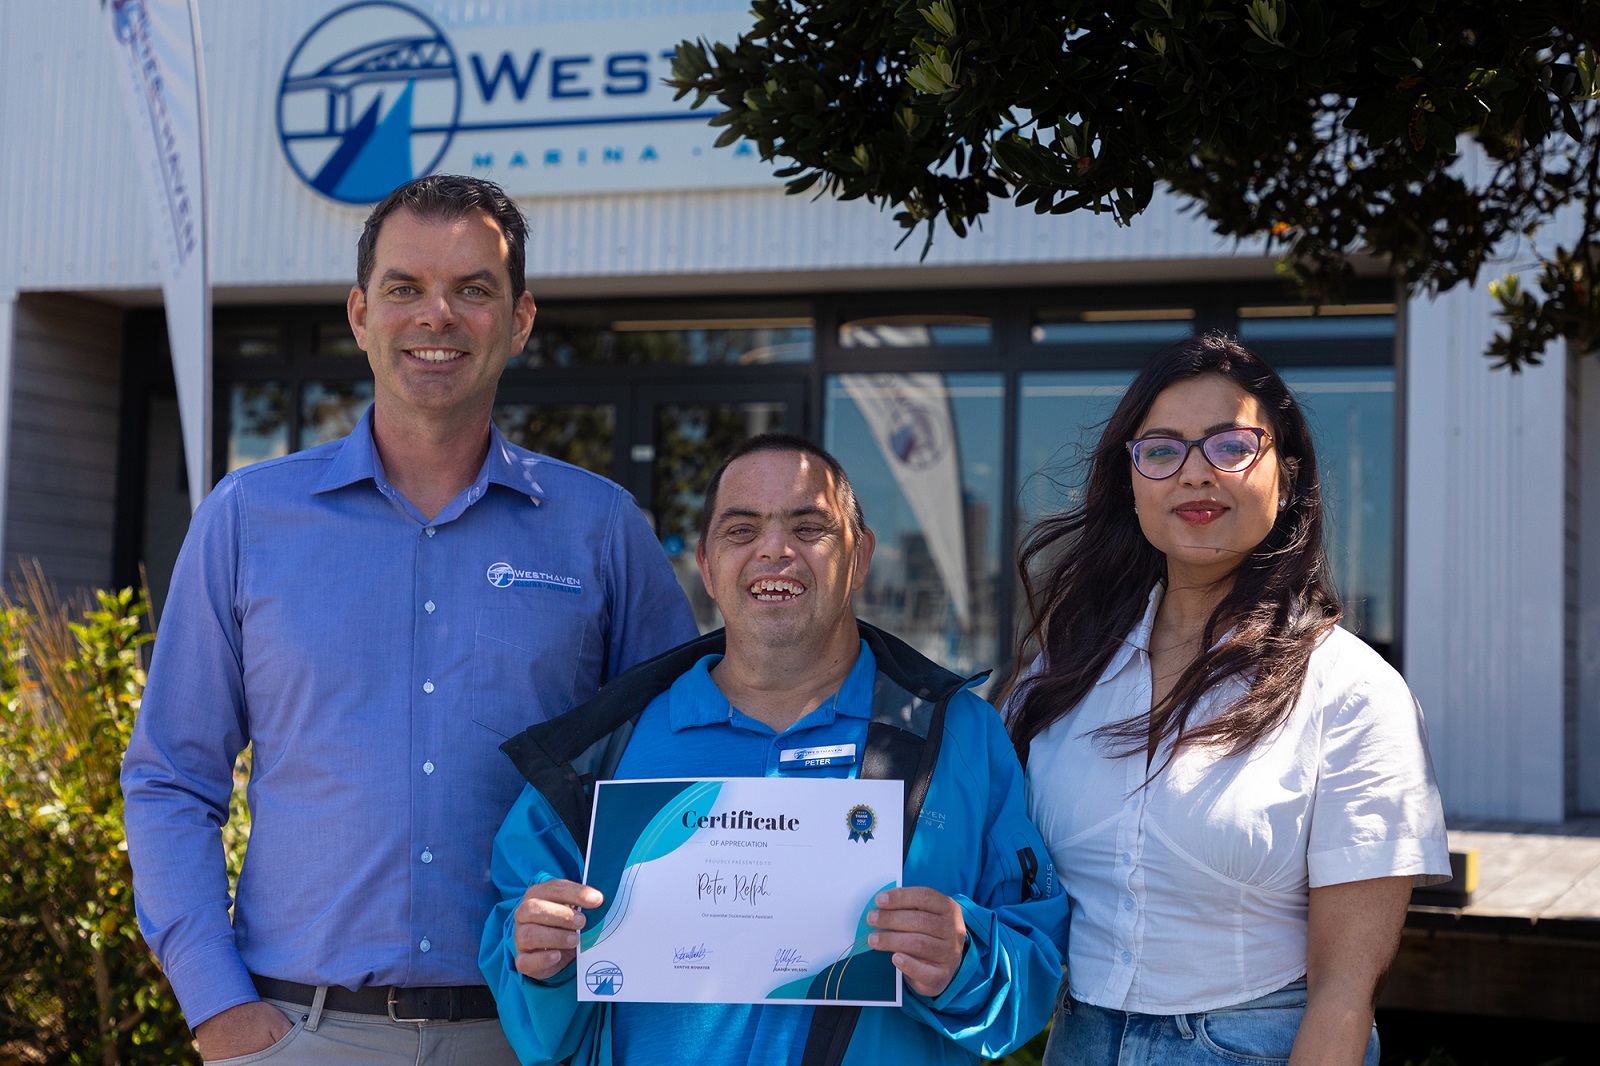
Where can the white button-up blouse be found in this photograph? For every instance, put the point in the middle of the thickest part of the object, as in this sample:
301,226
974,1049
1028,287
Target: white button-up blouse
1191,893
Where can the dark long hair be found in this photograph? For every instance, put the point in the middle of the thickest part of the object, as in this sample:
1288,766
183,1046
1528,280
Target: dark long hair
1097,569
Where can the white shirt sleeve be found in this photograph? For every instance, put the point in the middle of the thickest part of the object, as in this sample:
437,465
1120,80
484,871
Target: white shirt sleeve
1376,811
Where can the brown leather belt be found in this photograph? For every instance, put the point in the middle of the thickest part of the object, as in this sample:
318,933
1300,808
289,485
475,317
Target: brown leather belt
438,1003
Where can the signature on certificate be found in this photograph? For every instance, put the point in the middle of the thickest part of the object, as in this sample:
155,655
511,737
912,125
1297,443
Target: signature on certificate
690,954
746,888
787,959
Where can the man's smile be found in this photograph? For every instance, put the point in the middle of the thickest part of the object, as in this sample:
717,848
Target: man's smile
435,355
776,589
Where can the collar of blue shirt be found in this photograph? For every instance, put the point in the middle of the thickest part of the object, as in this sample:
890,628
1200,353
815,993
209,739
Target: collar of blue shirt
697,701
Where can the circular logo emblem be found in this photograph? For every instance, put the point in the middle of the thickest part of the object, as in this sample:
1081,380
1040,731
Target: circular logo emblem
501,575
604,978
862,820
369,100
914,434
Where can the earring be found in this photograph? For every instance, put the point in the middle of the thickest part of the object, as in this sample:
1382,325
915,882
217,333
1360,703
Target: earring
1283,501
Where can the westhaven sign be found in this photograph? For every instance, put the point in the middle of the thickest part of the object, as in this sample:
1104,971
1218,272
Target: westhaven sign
376,93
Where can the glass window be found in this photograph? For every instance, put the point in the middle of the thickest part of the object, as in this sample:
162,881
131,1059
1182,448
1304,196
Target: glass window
579,433
248,341
258,422
1351,411
1059,418
330,409
916,331
335,338
924,454
1149,328
670,341
691,440
1338,334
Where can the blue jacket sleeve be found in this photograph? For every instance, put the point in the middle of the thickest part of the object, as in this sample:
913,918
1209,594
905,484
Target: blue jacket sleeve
177,774
976,844
543,1020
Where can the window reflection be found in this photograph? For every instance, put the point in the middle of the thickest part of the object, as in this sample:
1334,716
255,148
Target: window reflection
1059,418
1351,411
248,341
258,423
664,341
330,409
1148,328
924,454
916,331
335,338
582,434
691,441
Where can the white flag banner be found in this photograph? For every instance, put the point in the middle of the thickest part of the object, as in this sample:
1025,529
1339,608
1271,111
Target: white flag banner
158,43
909,415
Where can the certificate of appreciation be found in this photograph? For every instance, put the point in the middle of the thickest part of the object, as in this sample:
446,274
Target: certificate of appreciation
745,890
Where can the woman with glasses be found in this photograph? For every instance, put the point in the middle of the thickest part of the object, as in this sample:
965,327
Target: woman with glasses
1236,791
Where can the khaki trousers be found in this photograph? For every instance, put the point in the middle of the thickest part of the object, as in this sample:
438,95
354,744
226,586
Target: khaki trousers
338,1038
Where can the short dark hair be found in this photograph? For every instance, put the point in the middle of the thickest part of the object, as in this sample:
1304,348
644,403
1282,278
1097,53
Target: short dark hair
787,442
447,197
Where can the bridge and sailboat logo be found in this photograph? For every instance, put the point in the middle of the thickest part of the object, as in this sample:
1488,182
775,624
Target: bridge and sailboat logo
370,99
604,978
376,93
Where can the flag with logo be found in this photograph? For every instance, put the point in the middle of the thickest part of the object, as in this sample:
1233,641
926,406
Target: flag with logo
909,415
158,48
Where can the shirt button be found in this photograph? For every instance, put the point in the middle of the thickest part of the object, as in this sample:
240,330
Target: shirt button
427,767
430,531
1127,956
426,945
428,607
427,856
427,686
1127,904
1126,857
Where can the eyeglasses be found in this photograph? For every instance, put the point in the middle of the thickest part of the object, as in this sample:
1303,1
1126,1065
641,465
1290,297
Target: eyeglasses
1232,451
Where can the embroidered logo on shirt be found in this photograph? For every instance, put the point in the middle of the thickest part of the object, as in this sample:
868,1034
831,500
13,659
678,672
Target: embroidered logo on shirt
505,576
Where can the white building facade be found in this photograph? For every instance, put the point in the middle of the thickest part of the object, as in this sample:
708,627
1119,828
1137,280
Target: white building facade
686,301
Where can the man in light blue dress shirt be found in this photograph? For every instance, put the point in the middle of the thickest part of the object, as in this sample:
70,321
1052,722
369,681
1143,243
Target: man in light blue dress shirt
375,616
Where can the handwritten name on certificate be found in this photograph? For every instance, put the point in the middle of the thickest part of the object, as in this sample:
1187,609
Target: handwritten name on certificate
746,890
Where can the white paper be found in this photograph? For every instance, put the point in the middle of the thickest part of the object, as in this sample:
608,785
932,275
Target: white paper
744,890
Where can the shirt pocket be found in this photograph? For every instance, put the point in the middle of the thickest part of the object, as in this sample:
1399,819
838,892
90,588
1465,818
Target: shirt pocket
526,666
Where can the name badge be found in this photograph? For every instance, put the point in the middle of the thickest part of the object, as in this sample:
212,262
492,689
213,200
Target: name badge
808,758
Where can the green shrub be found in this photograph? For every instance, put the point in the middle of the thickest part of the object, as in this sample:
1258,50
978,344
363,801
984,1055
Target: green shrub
77,983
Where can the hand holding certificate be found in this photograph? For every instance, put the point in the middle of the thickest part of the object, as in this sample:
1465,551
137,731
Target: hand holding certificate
749,890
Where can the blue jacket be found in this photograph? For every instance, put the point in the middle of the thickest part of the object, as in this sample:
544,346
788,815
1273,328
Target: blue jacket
968,836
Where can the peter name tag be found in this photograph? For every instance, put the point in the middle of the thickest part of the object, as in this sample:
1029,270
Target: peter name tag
809,758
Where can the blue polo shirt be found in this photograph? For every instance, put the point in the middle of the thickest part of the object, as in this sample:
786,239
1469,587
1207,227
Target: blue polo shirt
691,730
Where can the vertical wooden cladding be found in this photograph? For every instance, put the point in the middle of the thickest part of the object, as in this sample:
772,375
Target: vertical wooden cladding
61,475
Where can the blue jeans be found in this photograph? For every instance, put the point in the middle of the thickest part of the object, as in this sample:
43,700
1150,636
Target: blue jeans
1256,1033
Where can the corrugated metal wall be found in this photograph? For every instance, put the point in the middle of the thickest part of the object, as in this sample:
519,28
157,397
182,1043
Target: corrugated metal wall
1484,549
1587,618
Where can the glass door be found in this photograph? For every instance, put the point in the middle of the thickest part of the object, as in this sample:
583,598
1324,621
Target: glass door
661,442
681,436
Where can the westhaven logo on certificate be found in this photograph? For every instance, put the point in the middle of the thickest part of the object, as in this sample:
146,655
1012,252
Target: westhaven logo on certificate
744,890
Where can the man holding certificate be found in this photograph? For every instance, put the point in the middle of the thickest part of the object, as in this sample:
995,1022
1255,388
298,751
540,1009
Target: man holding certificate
808,844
